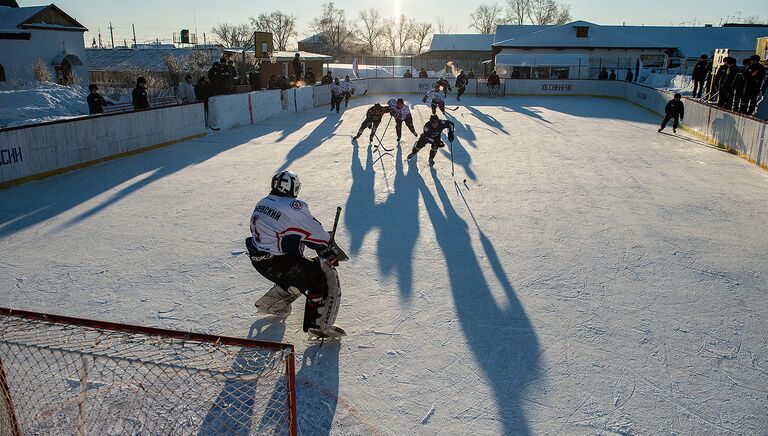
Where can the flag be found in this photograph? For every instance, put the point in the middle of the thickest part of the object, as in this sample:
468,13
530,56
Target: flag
355,70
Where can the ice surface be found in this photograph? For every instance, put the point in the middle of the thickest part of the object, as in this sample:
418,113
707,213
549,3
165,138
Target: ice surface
591,277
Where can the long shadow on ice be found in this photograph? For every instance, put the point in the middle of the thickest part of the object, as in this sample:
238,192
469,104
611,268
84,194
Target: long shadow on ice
502,339
318,388
320,134
397,219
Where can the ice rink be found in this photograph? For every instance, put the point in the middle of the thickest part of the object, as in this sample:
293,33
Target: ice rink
590,277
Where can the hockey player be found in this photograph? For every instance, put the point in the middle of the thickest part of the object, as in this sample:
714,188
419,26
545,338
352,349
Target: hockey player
433,135
349,90
401,112
281,227
372,121
444,85
438,99
461,84
673,111
337,95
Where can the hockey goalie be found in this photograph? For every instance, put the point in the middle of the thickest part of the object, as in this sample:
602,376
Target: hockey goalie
281,228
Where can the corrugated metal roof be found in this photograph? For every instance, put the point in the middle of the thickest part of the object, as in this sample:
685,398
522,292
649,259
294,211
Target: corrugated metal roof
598,37
461,42
509,31
146,59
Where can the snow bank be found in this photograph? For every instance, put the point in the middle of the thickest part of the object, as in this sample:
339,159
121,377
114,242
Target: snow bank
372,71
46,102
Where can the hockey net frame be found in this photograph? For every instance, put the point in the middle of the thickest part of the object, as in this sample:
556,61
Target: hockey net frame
82,366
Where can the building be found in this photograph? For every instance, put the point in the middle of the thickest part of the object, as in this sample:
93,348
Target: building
280,63
581,49
463,51
317,43
31,34
120,66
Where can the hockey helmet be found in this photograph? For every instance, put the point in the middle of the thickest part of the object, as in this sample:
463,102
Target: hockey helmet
287,183
434,119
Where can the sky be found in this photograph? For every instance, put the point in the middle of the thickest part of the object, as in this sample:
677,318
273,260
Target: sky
159,19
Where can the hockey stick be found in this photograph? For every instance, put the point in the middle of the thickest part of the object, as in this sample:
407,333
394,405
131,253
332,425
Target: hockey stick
335,226
382,135
215,129
454,109
453,171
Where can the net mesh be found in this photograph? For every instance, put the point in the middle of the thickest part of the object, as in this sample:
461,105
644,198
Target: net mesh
60,378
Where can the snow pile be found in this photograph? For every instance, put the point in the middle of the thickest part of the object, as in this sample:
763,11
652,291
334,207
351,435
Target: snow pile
45,102
668,81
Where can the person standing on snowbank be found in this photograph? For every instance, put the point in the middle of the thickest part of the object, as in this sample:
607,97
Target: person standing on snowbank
140,97
699,75
673,111
96,102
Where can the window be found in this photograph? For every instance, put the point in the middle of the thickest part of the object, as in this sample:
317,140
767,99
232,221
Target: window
582,31
2,73
521,72
652,61
541,72
559,72
264,48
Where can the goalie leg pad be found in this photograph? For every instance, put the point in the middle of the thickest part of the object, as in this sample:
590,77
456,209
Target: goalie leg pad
320,310
277,301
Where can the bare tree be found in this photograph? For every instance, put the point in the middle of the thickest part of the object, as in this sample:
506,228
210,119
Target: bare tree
334,28
485,18
233,35
399,34
422,36
754,19
549,12
281,26
517,11
443,26
371,28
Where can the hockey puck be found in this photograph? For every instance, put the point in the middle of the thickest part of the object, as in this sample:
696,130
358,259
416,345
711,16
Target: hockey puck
465,180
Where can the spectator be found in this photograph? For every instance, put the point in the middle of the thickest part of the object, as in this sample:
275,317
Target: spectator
327,79
233,78
254,79
471,74
493,84
309,78
96,102
298,69
738,86
603,75
203,92
699,75
630,76
273,83
215,78
673,111
284,83
187,90
293,82
719,77
423,73
727,82
613,75
140,97
754,75
407,74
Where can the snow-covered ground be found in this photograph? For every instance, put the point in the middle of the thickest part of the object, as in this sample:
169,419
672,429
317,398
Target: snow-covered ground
41,103
590,277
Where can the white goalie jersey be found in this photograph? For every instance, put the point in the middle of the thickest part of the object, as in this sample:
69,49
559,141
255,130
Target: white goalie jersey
348,87
284,225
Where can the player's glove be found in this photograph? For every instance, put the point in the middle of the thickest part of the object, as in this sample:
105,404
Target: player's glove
328,256
424,100
451,137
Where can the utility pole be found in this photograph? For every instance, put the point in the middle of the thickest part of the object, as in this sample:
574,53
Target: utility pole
134,35
112,34
100,46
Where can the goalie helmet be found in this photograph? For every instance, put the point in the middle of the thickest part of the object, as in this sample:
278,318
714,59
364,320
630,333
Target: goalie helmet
287,183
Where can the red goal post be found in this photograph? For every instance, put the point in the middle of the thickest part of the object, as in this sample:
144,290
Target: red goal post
64,375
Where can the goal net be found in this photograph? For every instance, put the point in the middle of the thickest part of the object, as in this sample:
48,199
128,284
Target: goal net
61,375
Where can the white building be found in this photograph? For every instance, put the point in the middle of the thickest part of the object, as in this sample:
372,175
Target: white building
581,49
44,33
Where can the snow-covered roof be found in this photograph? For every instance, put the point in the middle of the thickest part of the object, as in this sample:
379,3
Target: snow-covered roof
285,55
461,42
12,19
598,37
145,59
690,41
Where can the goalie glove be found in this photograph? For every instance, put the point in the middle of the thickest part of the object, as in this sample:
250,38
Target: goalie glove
329,256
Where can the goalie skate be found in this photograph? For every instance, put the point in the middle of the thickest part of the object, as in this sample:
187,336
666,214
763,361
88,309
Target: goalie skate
277,301
333,332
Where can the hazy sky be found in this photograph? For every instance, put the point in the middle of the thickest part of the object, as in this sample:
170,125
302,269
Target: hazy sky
160,18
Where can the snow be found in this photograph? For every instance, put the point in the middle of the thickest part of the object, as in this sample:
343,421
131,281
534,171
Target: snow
366,71
45,102
590,277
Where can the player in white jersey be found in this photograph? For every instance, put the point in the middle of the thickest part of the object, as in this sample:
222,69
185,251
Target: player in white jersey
349,90
281,228
438,99
401,112
337,95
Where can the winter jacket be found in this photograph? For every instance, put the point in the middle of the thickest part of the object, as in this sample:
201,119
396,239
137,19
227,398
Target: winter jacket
96,103
187,92
399,114
326,80
375,112
461,81
700,70
675,108
140,98
494,80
